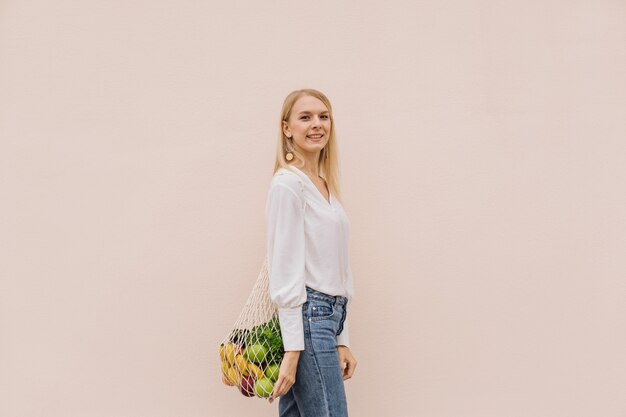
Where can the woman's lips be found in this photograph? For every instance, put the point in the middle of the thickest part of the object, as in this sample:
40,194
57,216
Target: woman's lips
316,139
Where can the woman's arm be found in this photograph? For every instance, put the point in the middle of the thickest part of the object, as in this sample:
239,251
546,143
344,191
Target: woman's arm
286,374
286,258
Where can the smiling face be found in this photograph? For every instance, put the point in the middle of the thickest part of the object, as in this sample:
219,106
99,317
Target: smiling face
308,125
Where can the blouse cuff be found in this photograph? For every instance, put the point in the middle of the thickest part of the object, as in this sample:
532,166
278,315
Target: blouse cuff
291,328
343,338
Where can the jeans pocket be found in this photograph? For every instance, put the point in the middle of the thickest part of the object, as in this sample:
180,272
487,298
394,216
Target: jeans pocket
320,310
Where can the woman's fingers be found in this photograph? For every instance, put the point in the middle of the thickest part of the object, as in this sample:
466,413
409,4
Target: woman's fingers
346,358
277,387
348,371
283,389
280,388
286,374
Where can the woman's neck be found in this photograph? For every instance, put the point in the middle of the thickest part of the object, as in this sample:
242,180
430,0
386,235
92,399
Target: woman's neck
310,169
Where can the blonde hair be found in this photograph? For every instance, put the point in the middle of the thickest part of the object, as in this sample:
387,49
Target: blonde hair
328,162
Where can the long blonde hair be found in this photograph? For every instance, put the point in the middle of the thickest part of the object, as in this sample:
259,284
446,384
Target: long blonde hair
328,162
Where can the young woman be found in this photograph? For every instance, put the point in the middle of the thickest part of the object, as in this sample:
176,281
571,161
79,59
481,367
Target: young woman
307,251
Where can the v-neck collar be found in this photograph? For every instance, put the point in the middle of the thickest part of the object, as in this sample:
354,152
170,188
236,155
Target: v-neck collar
330,194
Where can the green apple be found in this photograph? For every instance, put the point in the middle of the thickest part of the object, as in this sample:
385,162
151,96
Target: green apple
264,387
255,353
271,372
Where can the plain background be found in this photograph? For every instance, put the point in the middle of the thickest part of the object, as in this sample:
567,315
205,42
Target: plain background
483,163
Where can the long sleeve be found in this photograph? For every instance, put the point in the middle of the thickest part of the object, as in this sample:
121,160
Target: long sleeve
286,259
344,338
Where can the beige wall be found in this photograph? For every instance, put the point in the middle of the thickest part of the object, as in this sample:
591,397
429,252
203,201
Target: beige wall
483,161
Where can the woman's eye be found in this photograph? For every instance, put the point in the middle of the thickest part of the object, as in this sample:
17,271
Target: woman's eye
324,116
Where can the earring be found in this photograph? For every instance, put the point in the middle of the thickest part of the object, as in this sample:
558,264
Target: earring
289,155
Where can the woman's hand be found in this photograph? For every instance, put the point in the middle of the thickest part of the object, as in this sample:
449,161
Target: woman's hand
286,374
346,358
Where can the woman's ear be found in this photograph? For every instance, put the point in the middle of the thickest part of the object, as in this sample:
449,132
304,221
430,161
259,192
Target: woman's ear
286,130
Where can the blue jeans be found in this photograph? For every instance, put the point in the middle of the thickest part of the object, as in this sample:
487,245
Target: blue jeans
319,389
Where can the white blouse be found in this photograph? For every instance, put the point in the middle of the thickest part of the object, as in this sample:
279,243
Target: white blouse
307,245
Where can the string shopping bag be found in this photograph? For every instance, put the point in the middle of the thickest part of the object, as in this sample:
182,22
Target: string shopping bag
251,353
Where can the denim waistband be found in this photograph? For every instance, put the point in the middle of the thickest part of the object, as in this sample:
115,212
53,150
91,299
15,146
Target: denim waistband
318,295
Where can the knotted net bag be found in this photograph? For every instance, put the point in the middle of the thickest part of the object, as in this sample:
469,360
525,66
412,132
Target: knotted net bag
252,352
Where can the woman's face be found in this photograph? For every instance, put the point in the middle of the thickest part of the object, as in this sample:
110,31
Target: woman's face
309,116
